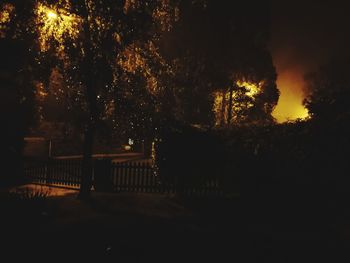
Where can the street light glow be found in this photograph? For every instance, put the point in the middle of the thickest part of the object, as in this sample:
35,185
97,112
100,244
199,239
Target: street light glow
51,15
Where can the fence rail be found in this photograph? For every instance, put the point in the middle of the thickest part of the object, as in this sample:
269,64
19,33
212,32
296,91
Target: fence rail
134,177
55,172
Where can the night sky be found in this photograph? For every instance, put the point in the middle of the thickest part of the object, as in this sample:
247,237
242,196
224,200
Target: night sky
304,35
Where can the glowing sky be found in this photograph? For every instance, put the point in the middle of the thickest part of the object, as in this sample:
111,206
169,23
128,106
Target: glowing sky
305,35
291,84
290,106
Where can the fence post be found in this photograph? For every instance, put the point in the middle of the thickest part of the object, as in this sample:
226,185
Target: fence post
48,179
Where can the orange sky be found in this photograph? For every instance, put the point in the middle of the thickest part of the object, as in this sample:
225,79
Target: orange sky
290,83
304,36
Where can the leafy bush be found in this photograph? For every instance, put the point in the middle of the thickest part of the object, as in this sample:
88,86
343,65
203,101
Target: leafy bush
189,156
303,157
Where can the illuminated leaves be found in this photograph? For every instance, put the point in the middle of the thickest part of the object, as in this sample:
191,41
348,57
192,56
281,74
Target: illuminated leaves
40,91
236,102
6,13
165,14
54,25
252,89
131,59
140,59
129,5
109,47
59,29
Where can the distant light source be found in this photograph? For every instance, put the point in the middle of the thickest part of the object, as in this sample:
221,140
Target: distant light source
127,147
52,15
131,142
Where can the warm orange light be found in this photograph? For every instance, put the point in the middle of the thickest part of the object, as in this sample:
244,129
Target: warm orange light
56,26
221,106
5,13
252,88
290,105
127,147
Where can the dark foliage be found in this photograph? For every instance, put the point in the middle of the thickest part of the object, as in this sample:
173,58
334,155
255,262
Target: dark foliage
295,161
292,180
188,154
214,44
329,89
17,107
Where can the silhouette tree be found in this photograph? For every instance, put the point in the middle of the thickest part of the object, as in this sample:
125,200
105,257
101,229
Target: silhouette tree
328,90
96,47
16,109
95,44
220,49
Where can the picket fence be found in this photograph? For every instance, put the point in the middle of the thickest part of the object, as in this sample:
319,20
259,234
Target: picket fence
136,177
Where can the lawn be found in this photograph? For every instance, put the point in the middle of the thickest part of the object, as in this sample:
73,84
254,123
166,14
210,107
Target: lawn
161,228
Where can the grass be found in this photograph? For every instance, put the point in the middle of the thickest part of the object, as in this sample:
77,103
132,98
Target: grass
159,228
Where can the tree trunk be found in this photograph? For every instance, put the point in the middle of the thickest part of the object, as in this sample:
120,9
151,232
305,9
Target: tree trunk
89,138
91,97
223,109
87,165
229,114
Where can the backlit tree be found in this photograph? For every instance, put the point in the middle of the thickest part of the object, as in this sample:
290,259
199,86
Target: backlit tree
17,91
100,46
328,90
221,58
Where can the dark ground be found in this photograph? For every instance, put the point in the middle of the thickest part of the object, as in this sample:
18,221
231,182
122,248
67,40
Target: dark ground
157,228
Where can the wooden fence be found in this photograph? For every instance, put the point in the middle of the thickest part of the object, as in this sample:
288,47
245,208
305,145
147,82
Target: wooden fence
55,172
137,177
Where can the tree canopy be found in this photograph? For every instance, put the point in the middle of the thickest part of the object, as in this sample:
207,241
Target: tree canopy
328,90
97,47
217,46
17,109
125,64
